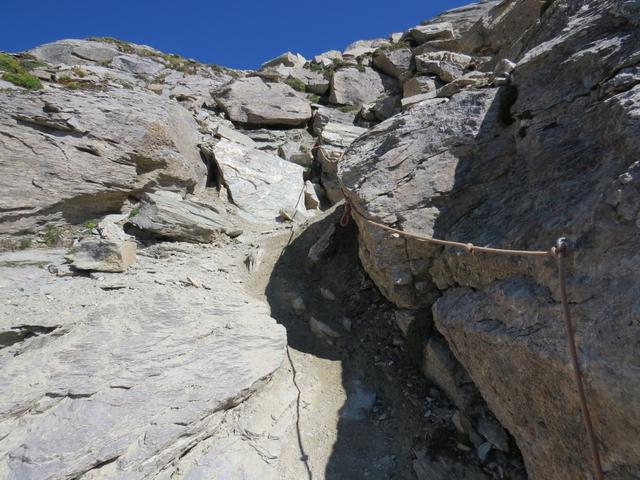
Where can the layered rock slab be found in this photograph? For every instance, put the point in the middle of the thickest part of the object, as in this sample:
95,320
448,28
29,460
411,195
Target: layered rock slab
263,186
253,101
71,156
120,383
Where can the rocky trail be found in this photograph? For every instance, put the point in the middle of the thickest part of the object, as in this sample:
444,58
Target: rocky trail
187,293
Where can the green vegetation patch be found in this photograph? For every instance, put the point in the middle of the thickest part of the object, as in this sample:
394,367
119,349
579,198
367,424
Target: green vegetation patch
296,84
16,73
52,236
349,108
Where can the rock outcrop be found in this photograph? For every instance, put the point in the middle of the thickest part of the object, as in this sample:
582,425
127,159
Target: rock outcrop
121,385
72,156
253,101
519,166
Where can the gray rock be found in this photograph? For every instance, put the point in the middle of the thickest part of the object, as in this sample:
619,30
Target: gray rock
136,65
294,145
167,215
260,184
339,134
397,62
419,85
492,160
255,102
446,65
426,98
353,86
287,59
323,330
327,59
323,115
68,409
441,367
88,158
311,200
361,48
463,18
405,280
103,255
433,31
319,249
233,135
75,52
504,66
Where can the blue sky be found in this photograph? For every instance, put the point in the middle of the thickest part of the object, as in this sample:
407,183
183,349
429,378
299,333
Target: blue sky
234,33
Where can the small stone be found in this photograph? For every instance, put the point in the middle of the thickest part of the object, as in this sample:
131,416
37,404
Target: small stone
502,80
298,306
321,329
483,451
327,294
347,323
235,233
504,66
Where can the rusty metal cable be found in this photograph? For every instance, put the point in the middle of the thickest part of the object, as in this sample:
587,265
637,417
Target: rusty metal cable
559,251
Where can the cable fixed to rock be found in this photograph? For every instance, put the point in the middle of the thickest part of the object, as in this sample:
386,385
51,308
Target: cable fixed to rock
559,251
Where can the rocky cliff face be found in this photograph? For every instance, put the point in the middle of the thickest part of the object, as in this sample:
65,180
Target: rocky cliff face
550,152
502,123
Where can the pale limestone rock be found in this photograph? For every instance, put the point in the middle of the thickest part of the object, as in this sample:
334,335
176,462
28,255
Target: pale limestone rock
255,102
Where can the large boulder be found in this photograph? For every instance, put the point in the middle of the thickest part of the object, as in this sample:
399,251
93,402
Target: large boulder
253,101
263,186
72,156
390,154
358,86
396,62
552,154
167,215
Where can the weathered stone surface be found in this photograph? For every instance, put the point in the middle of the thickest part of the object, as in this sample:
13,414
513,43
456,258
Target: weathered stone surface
89,156
295,145
501,29
260,184
103,255
323,115
524,166
361,48
420,84
311,200
167,215
79,389
397,63
233,135
255,102
446,65
464,17
75,52
384,157
339,134
353,86
430,97
433,31
287,59
327,59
